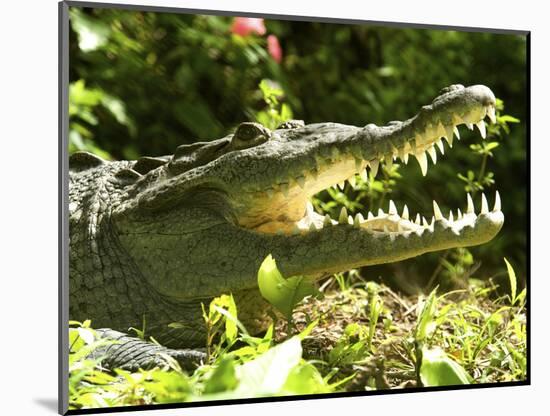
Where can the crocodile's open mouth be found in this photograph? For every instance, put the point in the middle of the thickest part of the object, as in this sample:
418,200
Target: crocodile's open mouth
286,207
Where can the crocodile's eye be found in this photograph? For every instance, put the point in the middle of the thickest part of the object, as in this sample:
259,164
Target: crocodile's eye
249,134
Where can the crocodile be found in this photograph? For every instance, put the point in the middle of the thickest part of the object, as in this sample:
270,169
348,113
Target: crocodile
152,239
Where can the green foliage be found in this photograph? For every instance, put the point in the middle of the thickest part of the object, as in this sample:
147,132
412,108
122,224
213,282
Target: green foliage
467,339
283,294
439,370
276,112
221,322
254,370
178,78
484,150
352,347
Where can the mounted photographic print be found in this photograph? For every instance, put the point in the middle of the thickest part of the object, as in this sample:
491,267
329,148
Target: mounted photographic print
262,208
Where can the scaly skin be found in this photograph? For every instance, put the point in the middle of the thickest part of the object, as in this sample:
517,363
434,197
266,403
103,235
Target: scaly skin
152,239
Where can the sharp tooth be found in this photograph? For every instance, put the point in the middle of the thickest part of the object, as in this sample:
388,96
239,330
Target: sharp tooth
301,181
401,153
425,222
364,175
423,162
309,207
459,215
497,202
449,135
451,219
406,158
360,217
455,131
433,222
381,213
433,154
335,187
341,185
392,209
470,208
437,212
284,189
327,220
417,140
417,219
312,227
441,146
343,218
481,126
405,214
491,114
419,231
350,220
470,126
374,167
357,221
389,162
351,181
370,216
484,205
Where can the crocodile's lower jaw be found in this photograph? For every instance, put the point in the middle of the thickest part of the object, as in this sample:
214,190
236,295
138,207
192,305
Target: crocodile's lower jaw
286,209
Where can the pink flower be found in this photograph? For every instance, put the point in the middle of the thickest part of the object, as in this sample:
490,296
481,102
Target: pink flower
244,26
274,48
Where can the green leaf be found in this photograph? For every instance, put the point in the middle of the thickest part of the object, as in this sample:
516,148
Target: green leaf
92,33
225,306
223,378
305,379
282,293
438,369
513,281
267,374
86,334
508,119
426,323
491,145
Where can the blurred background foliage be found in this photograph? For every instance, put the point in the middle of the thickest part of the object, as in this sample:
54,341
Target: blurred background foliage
144,83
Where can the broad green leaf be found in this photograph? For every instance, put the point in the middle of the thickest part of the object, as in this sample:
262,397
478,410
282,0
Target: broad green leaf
223,377
305,379
267,374
513,281
282,293
86,334
438,369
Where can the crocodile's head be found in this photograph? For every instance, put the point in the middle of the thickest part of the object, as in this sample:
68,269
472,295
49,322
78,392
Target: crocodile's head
258,184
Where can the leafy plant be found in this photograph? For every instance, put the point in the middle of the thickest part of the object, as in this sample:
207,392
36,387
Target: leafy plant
276,112
283,294
484,149
438,369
